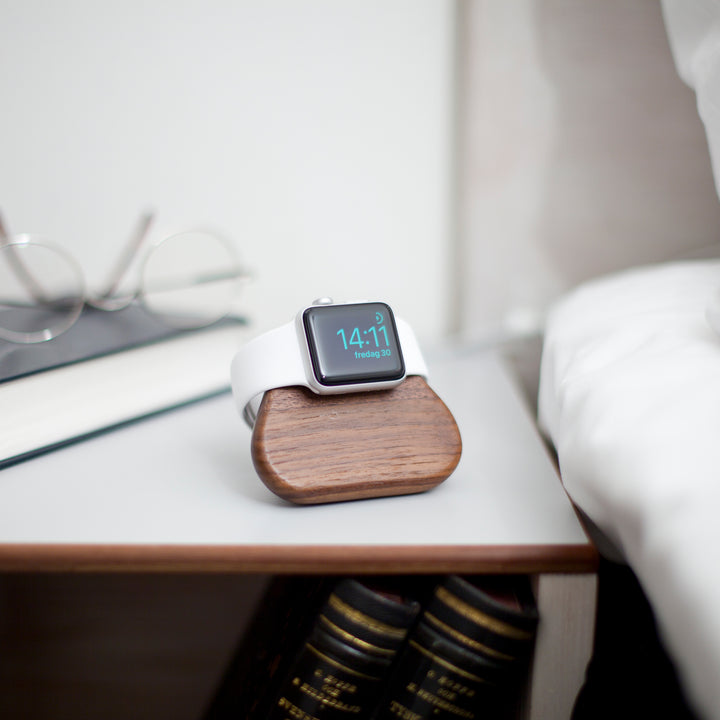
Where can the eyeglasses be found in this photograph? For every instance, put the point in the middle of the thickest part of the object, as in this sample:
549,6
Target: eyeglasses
188,280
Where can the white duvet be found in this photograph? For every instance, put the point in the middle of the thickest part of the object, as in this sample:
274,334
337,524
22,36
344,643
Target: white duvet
630,396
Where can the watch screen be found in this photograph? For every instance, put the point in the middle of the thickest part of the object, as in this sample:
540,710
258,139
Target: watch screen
353,343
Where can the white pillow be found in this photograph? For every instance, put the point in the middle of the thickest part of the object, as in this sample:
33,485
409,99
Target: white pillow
630,397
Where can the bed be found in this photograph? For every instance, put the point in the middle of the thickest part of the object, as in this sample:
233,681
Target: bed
629,396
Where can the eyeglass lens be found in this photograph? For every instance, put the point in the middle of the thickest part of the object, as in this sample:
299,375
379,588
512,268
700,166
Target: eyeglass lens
41,291
190,279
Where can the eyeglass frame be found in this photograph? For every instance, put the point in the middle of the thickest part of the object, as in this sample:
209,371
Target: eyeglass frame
105,301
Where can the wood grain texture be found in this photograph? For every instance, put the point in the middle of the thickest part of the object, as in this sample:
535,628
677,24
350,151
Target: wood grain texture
310,449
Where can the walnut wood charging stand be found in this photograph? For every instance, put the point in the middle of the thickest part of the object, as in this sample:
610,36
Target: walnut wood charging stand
310,449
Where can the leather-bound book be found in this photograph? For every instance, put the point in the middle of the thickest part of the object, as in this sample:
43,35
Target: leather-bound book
467,657
342,668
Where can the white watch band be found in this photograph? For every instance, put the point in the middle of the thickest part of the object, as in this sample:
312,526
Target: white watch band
277,359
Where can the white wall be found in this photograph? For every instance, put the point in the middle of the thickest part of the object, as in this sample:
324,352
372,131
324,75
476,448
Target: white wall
321,136
581,153
316,133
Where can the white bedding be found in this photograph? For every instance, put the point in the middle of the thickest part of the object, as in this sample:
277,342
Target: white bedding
630,396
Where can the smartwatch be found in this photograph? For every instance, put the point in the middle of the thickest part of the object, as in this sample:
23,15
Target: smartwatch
330,348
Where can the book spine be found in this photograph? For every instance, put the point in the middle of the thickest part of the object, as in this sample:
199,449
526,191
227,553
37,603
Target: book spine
467,655
345,662
329,680
437,679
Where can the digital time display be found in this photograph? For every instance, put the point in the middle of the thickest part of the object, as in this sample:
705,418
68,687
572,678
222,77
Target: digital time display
355,343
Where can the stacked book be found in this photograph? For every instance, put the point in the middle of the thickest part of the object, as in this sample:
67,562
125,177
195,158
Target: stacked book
108,369
469,653
384,649
343,665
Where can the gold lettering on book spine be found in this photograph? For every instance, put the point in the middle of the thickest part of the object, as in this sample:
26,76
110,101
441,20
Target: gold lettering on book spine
330,701
441,704
294,711
481,618
402,712
332,681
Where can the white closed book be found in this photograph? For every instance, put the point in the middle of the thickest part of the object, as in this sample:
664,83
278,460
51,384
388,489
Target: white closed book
109,369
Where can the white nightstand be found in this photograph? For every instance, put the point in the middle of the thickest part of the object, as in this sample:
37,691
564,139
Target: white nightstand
177,493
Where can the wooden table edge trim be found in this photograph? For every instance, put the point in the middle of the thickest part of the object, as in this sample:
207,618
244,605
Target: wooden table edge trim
299,559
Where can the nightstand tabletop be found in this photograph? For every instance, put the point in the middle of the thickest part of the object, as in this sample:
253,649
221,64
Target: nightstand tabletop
178,491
